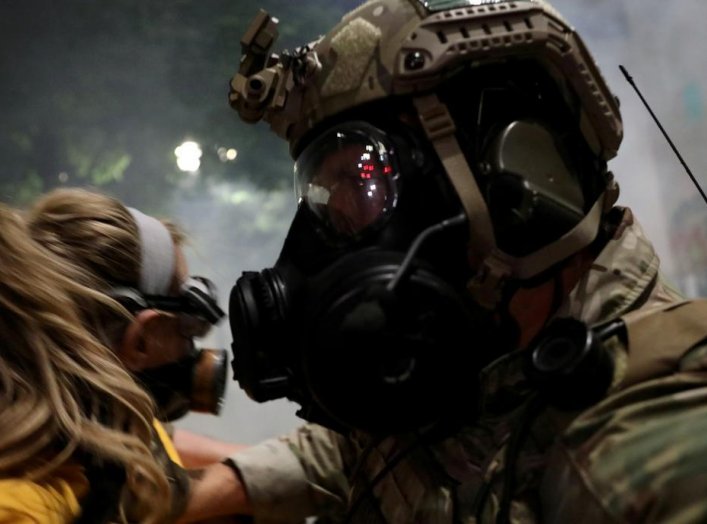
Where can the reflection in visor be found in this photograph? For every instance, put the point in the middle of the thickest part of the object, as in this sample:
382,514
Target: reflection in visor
347,178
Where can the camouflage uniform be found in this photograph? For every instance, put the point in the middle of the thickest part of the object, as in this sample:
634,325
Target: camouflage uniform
606,464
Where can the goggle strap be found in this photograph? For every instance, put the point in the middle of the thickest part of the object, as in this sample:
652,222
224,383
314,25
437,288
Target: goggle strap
193,302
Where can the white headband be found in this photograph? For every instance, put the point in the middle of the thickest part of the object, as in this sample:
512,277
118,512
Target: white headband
156,254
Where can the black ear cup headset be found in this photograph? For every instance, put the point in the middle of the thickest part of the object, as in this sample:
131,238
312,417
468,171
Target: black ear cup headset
522,139
540,179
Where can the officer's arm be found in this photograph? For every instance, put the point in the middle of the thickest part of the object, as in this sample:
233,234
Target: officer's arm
216,491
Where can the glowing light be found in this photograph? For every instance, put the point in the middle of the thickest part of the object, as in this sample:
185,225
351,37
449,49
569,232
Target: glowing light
227,154
63,177
188,156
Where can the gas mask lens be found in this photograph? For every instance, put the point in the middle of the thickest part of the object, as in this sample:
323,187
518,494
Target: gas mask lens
203,311
348,178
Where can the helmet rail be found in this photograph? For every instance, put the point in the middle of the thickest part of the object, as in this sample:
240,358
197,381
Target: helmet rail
406,47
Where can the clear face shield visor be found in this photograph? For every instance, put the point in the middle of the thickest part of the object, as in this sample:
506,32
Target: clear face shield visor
349,179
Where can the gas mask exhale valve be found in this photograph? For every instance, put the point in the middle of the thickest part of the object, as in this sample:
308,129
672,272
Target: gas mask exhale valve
195,383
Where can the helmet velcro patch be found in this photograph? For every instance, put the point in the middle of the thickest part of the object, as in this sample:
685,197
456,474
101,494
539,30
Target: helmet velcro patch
354,46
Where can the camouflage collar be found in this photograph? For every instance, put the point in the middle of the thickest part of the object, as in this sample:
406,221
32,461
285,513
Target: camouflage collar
622,274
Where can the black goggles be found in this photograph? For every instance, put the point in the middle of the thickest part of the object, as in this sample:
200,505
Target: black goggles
348,177
196,306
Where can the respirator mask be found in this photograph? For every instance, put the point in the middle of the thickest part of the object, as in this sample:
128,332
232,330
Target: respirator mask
363,320
196,382
370,318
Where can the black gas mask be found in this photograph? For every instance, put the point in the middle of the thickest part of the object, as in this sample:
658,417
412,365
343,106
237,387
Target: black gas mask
367,318
363,320
196,382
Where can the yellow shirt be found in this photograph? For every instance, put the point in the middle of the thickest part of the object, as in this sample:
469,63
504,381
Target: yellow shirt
52,501
167,443
55,500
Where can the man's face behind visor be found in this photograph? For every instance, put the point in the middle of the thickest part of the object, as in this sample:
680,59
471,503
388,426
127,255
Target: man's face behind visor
349,179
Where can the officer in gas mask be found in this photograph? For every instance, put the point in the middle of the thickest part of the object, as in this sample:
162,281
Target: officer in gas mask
443,162
454,198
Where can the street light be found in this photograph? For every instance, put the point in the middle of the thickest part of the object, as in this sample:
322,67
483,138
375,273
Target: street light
188,156
227,154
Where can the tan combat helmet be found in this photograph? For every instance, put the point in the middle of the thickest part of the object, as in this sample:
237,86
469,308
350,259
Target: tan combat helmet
391,47
409,47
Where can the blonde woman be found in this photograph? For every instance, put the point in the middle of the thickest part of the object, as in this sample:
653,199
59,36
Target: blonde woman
68,408
138,260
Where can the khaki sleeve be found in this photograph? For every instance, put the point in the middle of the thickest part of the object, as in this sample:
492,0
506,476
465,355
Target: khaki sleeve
297,475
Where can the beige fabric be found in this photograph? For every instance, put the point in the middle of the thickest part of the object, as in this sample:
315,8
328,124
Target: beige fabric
286,499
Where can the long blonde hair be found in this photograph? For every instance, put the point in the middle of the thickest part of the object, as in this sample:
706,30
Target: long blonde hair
85,242
94,231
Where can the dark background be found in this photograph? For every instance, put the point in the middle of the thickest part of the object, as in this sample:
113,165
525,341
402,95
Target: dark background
102,92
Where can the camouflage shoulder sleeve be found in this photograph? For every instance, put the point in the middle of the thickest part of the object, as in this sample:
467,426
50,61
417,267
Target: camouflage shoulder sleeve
297,475
639,456
625,276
